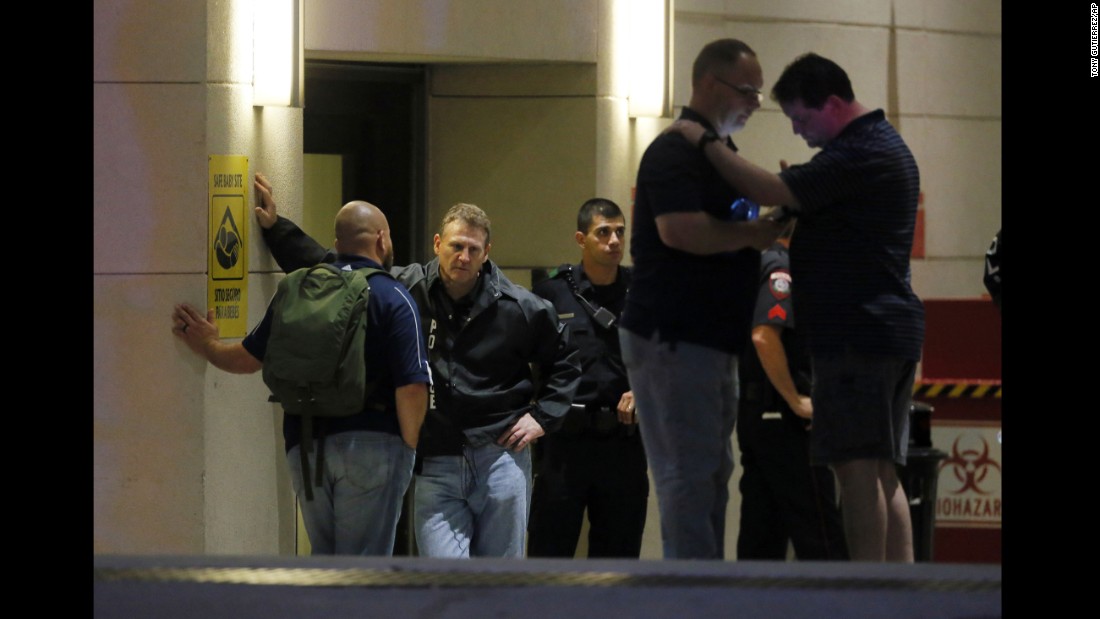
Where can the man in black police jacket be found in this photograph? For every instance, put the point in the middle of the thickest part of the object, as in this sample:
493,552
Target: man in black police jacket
473,482
596,460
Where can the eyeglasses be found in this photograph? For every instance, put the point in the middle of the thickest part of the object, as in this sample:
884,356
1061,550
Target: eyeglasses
745,91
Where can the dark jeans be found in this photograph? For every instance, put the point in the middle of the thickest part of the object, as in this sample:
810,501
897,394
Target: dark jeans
607,476
783,497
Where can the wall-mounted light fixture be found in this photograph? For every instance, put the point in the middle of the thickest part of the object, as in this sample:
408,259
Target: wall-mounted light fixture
650,58
278,70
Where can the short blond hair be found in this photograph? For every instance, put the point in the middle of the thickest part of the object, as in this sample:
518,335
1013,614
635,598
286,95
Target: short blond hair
469,214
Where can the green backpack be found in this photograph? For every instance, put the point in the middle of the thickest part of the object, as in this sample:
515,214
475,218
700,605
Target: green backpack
315,363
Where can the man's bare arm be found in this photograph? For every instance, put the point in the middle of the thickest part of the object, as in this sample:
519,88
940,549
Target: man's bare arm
201,335
758,184
769,347
412,406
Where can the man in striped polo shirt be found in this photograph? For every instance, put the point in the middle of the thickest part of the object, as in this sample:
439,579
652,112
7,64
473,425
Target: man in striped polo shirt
856,204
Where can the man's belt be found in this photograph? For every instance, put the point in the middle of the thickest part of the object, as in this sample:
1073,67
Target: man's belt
595,408
599,419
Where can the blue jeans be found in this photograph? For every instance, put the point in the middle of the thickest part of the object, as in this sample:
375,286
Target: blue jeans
356,509
475,504
686,398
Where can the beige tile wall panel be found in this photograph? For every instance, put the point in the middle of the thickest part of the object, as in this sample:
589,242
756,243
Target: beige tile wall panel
149,40
864,53
977,16
860,50
441,30
247,484
960,167
151,164
323,197
233,127
229,41
335,27
716,8
689,36
149,178
833,11
243,450
272,139
505,80
232,122
188,458
614,37
528,162
615,172
949,74
768,138
958,278
148,468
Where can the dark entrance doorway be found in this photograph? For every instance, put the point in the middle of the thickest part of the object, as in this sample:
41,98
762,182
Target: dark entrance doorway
365,123
373,117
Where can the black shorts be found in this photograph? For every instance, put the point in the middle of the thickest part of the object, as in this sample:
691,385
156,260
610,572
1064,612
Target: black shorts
861,407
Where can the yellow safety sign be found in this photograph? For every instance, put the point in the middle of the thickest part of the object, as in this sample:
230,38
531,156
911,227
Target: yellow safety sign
227,284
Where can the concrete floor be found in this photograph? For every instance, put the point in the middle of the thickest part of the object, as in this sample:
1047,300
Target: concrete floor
215,587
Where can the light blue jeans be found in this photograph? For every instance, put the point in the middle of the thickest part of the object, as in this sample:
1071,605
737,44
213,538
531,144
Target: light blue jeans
476,504
686,399
356,509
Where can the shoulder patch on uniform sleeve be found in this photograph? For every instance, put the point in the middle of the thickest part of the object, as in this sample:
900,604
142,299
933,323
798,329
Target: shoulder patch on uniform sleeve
779,283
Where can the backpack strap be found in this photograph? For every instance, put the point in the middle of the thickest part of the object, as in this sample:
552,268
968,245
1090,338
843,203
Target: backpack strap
305,445
320,473
308,440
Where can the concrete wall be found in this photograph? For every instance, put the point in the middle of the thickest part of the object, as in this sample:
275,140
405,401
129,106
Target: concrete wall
518,141
187,458
527,118
453,30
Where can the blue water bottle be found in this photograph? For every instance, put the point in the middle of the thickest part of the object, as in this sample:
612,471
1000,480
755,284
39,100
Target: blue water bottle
744,209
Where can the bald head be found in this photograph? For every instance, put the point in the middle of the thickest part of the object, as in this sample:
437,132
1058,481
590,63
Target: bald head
362,229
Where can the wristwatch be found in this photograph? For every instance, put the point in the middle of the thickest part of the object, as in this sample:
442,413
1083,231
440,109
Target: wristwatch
708,136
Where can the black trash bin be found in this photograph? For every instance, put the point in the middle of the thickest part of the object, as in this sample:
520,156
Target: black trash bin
919,477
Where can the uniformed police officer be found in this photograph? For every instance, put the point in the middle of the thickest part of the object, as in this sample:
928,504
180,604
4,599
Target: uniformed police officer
596,460
784,499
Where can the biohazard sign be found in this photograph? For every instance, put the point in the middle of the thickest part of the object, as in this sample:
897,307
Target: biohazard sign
969,485
227,286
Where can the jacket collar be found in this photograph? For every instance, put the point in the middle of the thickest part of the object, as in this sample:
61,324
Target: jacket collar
488,288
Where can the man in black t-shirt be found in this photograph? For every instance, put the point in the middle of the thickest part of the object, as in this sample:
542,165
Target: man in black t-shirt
696,263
